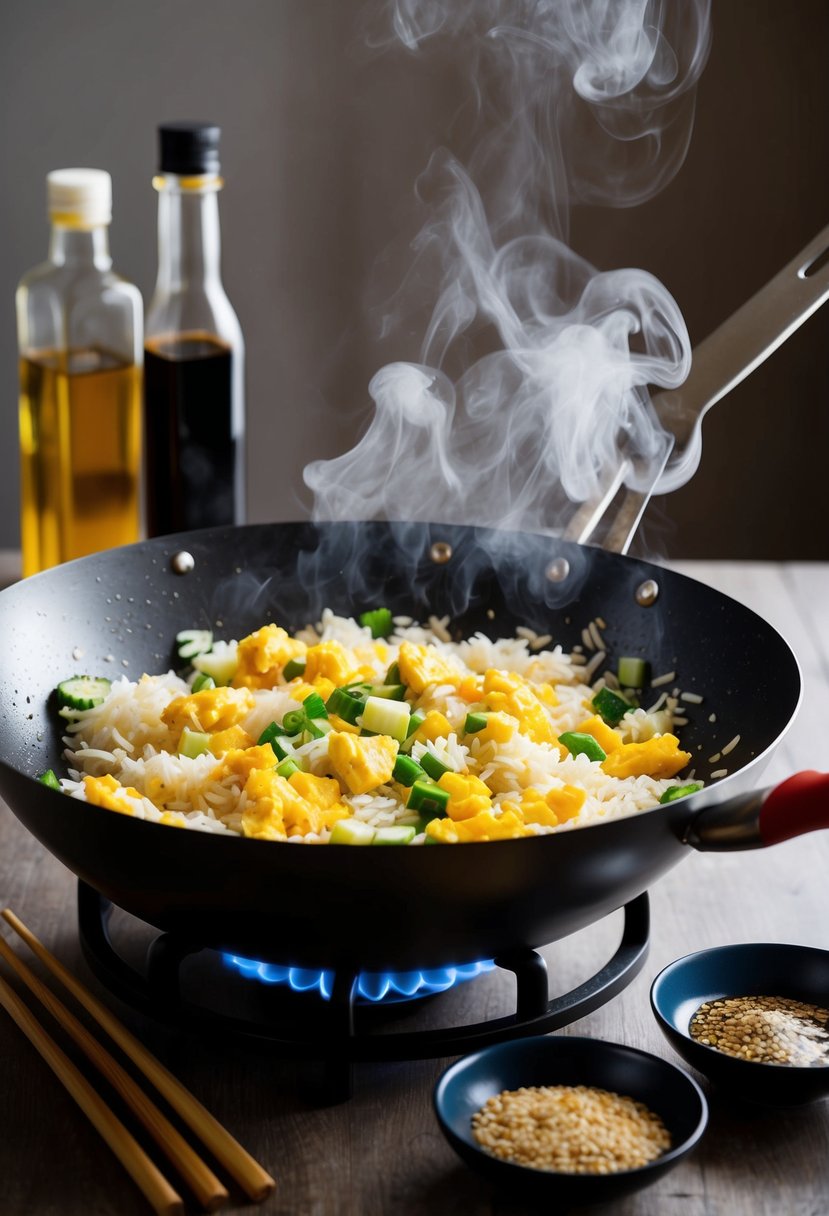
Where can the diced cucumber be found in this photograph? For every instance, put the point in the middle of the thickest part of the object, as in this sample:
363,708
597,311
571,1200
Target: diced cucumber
632,673
220,662
610,707
351,831
397,833
379,622
193,743
579,743
407,771
202,682
435,767
293,668
386,717
474,723
49,778
680,791
191,642
390,692
83,692
429,799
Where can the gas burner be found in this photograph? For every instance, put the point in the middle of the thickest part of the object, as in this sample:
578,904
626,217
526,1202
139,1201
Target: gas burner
341,1029
390,987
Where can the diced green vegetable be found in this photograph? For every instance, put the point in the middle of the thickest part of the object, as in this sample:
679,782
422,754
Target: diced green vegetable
474,723
389,692
351,831
287,767
417,719
314,706
680,791
49,778
610,706
397,833
190,642
202,682
434,767
379,622
428,798
393,674
386,717
294,722
275,735
345,705
407,771
582,744
220,663
193,743
632,673
83,692
293,668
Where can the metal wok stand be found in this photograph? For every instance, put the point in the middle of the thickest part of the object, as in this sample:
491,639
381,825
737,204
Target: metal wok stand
346,1042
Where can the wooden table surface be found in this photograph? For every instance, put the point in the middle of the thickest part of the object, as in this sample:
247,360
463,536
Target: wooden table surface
382,1152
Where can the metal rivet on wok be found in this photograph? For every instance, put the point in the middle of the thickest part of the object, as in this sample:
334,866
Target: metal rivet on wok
182,562
440,552
647,592
558,570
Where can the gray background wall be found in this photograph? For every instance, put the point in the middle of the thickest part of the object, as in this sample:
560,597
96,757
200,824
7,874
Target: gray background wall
321,147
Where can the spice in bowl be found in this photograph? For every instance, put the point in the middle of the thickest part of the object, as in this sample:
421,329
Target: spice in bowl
765,1030
570,1129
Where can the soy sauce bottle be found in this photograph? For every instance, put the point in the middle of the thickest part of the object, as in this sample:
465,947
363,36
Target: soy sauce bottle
194,352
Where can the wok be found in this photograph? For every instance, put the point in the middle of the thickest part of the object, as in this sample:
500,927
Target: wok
340,906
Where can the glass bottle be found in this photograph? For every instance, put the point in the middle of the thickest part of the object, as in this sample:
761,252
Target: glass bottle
79,337
194,352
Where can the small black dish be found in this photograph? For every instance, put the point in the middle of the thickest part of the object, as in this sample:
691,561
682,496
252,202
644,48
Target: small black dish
800,973
564,1060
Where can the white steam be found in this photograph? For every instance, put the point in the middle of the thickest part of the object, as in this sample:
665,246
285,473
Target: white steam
533,371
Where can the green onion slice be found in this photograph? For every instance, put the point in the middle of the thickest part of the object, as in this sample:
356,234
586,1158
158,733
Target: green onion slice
680,791
293,668
378,621
579,744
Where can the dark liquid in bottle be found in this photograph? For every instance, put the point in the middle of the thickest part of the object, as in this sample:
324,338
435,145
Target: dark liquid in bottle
188,423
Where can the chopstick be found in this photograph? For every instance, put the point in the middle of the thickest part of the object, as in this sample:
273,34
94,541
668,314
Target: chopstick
202,1181
256,1182
129,1152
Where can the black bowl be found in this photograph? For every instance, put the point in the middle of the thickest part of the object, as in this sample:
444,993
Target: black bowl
564,1060
757,969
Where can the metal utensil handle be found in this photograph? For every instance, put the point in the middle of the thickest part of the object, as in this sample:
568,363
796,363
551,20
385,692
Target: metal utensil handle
721,361
732,352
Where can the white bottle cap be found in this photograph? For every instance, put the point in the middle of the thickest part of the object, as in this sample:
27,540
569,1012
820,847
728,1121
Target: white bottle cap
80,197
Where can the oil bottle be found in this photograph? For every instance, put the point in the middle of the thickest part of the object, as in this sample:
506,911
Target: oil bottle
193,356
79,336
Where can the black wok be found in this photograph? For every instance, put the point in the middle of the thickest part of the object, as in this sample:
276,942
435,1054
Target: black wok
407,907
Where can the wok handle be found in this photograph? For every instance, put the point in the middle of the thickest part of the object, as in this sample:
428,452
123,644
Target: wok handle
796,806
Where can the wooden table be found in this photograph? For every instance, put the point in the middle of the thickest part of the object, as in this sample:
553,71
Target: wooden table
382,1152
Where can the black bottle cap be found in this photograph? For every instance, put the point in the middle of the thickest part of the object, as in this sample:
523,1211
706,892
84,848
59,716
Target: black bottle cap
189,148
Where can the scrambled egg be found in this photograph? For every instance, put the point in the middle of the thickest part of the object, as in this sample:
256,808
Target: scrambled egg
608,739
262,655
658,757
505,691
467,795
421,666
212,709
333,661
361,762
276,807
483,826
108,793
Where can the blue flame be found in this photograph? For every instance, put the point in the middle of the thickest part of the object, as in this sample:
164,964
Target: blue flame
371,985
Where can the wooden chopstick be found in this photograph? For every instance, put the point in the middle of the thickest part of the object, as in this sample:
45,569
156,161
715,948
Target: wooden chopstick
202,1181
129,1152
256,1182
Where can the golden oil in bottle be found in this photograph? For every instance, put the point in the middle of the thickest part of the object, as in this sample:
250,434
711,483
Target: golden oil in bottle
79,329
80,441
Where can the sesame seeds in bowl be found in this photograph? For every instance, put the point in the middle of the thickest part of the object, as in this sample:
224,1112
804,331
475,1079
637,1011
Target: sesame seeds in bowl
753,1019
568,1120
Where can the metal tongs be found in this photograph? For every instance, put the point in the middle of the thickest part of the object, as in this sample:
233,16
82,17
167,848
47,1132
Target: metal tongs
720,362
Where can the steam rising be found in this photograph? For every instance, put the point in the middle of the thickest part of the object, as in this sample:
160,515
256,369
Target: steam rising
533,371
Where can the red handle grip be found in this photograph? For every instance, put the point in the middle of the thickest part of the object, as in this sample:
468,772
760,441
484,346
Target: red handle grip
800,804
